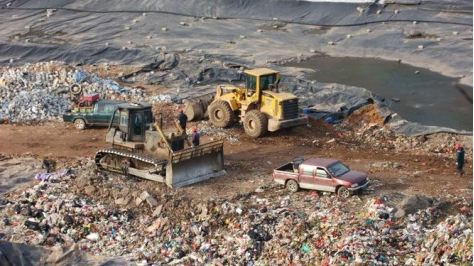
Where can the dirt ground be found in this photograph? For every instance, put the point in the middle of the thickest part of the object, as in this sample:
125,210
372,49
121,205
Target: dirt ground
54,139
250,162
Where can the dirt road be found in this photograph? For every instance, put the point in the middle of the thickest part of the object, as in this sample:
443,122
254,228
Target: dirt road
250,162
52,139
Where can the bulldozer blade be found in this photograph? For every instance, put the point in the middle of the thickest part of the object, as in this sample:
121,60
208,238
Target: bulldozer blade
196,108
195,164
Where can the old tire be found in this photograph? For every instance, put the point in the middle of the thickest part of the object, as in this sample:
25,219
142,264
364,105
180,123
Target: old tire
80,124
292,186
75,89
220,114
343,192
255,124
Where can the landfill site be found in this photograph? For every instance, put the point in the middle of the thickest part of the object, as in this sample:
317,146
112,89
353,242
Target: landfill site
258,132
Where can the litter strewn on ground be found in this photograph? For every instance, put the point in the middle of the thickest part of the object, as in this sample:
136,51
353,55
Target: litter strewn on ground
266,228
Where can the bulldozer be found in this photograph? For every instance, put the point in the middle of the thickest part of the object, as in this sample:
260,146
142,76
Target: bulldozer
259,106
141,148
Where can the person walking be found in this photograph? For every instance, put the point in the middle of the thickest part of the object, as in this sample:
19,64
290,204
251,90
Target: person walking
195,138
459,159
183,119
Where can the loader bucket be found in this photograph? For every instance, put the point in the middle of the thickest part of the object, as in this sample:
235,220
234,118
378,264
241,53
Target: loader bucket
195,164
196,108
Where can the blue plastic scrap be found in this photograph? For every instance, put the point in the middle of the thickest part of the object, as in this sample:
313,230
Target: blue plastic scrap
79,76
112,85
329,120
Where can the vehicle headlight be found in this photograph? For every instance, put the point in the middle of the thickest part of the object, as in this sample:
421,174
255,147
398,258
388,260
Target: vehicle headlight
354,185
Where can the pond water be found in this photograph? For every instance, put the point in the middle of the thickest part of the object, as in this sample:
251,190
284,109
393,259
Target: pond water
421,95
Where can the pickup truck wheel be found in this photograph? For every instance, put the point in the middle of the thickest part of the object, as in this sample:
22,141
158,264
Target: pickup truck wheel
220,114
343,192
255,124
80,124
292,186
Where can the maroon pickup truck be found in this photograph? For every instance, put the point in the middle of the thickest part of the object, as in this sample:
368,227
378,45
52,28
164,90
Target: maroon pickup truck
320,174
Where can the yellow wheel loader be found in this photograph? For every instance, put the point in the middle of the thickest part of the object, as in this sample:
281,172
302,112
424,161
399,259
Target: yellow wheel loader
143,149
260,106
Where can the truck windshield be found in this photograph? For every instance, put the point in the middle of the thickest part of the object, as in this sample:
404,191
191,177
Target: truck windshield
338,169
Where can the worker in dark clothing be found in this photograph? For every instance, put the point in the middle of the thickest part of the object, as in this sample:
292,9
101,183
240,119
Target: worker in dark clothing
183,119
459,159
48,165
195,139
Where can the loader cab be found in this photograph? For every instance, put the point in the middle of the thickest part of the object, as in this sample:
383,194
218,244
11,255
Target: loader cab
134,120
259,80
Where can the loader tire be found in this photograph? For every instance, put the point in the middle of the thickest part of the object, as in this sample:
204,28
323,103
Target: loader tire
255,124
220,114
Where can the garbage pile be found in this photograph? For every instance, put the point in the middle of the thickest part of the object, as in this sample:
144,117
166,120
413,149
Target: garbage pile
47,214
207,129
162,98
42,91
35,105
365,126
440,143
266,228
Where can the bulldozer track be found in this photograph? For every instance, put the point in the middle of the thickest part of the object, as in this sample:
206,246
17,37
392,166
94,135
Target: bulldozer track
159,164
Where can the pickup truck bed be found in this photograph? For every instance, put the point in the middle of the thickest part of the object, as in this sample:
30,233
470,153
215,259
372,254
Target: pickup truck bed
286,168
285,172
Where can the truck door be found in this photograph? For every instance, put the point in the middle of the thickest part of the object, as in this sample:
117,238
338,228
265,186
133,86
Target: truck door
100,117
307,176
323,180
109,110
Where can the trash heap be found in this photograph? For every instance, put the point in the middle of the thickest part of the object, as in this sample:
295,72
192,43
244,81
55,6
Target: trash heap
42,91
363,128
162,98
206,128
35,105
266,228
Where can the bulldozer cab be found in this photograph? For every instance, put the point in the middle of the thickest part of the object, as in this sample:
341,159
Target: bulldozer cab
134,119
259,80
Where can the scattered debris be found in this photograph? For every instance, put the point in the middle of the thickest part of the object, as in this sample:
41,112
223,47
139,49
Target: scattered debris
306,228
206,128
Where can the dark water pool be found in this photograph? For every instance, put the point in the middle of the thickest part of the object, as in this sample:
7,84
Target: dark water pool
428,97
